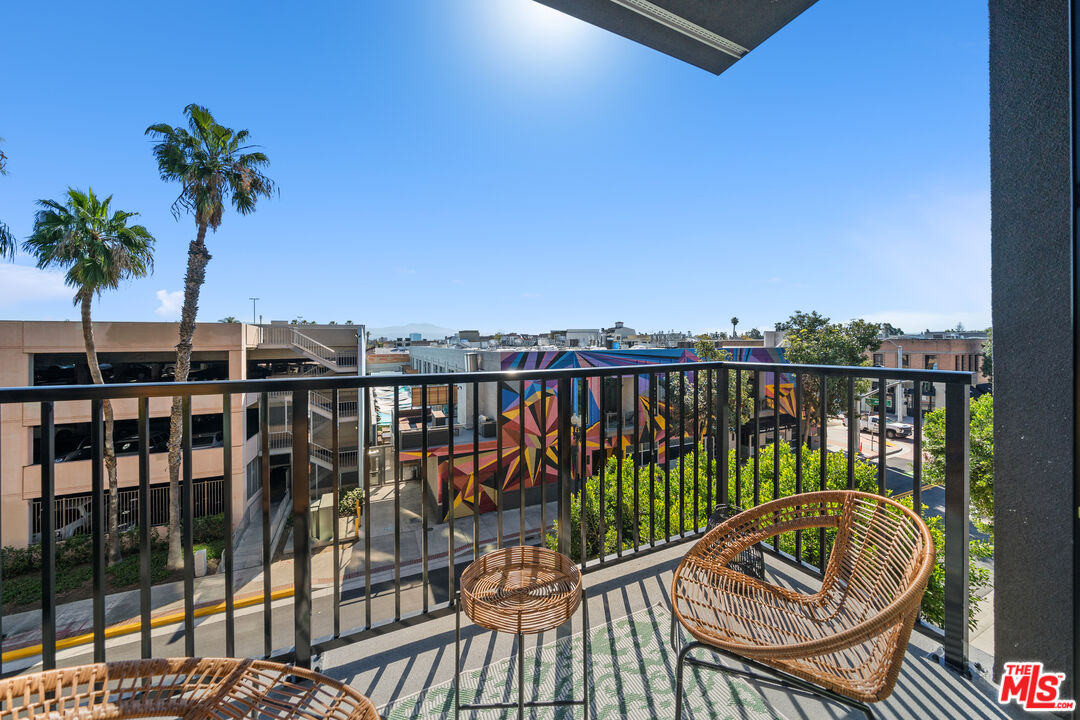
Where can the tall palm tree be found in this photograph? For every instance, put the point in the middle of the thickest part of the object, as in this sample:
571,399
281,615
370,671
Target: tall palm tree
7,240
99,250
214,165
734,322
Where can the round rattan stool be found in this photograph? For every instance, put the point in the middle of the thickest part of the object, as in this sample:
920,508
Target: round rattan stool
523,590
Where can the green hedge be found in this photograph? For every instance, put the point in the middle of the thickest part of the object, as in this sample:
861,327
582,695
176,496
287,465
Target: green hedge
666,499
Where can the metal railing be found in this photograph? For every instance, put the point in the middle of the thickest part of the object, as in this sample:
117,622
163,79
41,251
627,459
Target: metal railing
677,436
72,514
289,336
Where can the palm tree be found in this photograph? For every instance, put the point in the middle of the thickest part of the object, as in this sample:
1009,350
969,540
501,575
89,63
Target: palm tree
214,165
734,322
230,319
7,240
99,250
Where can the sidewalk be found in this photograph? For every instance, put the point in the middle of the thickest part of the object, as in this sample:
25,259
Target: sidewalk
75,619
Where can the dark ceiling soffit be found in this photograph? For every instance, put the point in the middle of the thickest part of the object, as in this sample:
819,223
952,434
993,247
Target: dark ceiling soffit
745,23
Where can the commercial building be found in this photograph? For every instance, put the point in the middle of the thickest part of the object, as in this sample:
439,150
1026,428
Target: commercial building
52,353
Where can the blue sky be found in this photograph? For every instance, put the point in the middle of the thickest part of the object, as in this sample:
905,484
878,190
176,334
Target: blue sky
494,164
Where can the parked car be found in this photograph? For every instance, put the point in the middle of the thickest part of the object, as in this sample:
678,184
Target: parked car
893,428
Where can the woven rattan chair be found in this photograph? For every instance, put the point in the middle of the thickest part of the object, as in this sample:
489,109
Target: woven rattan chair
845,642
191,688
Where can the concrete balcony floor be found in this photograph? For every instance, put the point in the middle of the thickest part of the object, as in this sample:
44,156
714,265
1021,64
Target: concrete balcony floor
393,668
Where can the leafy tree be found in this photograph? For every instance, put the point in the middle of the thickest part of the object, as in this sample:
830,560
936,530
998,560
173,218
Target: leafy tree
99,250
891,330
812,339
7,240
988,355
734,324
230,319
754,334
981,457
214,165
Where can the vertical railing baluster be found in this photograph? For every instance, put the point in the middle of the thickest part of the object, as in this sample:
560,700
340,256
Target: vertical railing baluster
145,523
853,430
397,501
366,515
637,462
499,479
602,405
738,440
957,492
565,430
654,413
583,409
267,552
757,438
97,524
798,389
1,535
227,511
451,494
882,434
667,456
620,452
301,504
48,537
476,470
682,453
824,454
423,494
710,440
541,462
723,429
521,461
916,455
697,424
187,517
776,445
335,488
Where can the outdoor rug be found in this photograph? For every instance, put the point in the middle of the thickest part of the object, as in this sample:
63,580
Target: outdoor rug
633,676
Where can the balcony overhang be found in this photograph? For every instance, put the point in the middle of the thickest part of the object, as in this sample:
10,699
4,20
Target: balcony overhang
711,35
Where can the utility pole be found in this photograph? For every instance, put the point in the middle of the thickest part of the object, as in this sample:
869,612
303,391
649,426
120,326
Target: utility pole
253,309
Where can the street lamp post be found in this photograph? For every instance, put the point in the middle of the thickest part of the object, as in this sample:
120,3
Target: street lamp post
253,309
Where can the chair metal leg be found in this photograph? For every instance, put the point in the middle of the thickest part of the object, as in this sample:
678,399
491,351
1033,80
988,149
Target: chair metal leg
457,656
521,676
585,653
679,678
774,677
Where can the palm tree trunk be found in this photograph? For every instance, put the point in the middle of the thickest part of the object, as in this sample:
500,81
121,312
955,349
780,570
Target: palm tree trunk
113,540
198,257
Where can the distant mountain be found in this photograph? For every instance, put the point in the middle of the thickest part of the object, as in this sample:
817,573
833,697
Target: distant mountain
427,331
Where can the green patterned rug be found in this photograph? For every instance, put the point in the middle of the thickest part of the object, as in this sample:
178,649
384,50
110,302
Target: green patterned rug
633,676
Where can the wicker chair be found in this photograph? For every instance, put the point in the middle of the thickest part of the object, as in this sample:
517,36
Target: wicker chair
845,642
194,688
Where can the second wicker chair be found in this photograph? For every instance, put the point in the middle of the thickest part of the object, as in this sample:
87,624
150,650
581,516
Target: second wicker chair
845,642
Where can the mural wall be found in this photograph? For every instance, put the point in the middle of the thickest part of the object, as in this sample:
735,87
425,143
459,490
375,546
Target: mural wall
525,450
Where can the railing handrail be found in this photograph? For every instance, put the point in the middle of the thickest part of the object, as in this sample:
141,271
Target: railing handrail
58,393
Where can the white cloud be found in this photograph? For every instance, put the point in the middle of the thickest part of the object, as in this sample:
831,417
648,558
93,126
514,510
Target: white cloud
170,303
20,284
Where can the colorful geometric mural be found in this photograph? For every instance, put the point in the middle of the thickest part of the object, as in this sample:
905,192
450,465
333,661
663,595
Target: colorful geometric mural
527,441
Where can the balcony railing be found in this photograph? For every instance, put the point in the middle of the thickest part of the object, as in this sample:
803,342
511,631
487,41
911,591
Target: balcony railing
556,431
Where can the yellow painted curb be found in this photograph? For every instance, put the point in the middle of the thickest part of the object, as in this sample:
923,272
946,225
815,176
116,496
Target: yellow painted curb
134,626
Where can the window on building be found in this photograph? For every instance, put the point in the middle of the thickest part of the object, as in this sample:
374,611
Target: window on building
254,480
930,362
879,359
906,360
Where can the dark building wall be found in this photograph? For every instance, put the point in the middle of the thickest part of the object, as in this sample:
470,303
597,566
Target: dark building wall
1034,603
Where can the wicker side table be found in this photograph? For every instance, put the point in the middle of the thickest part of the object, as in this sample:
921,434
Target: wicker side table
523,590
